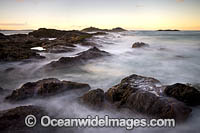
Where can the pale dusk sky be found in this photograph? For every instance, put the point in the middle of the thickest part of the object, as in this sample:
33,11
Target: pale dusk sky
79,14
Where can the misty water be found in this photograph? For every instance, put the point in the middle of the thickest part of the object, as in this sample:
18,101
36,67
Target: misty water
172,57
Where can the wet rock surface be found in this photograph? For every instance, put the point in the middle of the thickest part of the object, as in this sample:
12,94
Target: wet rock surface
94,99
12,120
140,45
44,88
160,107
184,93
18,47
130,85
81,58
143,95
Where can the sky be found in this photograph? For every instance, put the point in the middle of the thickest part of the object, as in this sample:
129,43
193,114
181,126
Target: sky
79,14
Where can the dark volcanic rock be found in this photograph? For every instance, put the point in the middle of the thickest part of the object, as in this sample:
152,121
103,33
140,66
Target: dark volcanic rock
130,85
94,98
144,95
45,87
12,120
184,93
81,58
160,107
139,45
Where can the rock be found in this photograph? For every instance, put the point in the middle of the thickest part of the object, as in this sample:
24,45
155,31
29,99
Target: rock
139,45
18,47
160,107
94,29
12,120
144,95
47,33
94,99
44,88
99,33
72,37
130,85
184,93
69,36
81,58
118,29
59,49
63,38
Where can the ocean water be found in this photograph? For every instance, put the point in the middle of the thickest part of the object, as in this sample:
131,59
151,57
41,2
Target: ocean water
172,57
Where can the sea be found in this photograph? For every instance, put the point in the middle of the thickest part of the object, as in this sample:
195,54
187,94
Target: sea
172,57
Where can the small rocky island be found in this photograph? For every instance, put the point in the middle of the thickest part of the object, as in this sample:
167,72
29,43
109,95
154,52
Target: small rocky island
168,30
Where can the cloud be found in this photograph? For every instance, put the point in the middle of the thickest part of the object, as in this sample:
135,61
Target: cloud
179,0
13,24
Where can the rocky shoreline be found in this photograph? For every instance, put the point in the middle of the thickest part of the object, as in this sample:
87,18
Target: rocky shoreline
144,95
136,93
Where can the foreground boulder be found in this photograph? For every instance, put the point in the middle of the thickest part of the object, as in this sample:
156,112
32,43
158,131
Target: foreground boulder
139,45
81,58
45,87
130,85
184,93
160,107
94,99
12,120
144,95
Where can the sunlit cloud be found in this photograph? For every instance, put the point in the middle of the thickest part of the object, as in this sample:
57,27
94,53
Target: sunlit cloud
13,24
